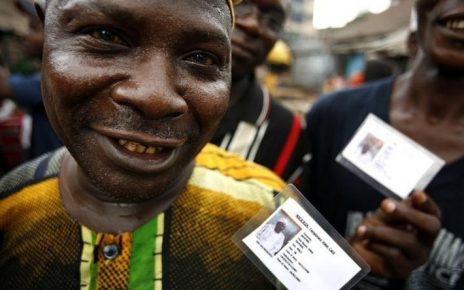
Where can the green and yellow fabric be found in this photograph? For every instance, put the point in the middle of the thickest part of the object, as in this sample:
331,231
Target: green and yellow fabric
188,246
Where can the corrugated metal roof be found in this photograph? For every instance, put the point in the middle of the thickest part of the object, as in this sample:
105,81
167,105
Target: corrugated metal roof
375,25
394,43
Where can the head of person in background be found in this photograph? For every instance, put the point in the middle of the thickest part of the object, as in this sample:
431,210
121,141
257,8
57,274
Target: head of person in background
257,27
257,126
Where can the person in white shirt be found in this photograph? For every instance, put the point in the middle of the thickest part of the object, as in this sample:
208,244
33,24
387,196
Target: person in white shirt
271,237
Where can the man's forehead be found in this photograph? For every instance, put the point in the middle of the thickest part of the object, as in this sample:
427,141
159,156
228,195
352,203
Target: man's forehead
230,3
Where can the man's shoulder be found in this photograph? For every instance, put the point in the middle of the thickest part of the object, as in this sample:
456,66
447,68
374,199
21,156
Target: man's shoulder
231,174
236,167
32,172
350,106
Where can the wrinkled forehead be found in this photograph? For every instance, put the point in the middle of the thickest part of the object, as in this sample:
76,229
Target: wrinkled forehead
43,3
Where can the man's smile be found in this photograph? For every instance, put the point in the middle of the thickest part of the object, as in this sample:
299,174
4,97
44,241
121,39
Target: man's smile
456,24
139,148
137,151
452,25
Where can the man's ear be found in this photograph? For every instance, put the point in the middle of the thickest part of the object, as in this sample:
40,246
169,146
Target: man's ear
40,8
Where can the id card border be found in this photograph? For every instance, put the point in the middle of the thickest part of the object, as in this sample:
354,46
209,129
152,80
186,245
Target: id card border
421,184
292,192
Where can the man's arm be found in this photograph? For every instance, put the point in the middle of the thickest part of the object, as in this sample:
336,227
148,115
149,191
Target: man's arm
399,236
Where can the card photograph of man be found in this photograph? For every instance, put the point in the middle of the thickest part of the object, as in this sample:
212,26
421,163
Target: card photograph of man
368,148
277,232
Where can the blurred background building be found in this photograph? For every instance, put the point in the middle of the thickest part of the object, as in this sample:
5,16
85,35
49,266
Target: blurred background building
331,48
13,26
312,61
15,124
371,36
11,20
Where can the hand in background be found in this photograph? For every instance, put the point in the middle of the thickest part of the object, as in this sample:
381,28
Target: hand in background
399,236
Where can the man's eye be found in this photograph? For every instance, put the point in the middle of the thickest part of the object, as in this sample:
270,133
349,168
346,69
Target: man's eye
107,35
203,58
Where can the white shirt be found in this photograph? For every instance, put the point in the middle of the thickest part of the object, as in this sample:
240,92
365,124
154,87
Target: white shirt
269,239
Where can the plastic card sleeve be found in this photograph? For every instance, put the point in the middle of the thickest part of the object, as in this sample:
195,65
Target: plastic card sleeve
296,247
388,160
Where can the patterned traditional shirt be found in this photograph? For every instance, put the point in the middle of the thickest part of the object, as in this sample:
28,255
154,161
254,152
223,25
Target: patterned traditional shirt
188,246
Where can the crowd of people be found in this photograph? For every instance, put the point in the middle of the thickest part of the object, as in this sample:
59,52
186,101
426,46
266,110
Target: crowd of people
23,88
166,145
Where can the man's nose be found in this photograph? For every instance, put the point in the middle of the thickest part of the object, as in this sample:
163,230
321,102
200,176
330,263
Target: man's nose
150,87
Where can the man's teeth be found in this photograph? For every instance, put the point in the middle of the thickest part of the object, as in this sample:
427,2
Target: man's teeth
139,148
455,24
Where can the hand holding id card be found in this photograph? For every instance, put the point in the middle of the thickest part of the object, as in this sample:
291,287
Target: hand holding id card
296,246
388,160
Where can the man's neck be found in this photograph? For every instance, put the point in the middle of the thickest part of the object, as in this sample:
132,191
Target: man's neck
80,198
433,93
428,106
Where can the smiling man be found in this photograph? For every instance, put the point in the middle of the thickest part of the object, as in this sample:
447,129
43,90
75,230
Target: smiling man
426,104
134,89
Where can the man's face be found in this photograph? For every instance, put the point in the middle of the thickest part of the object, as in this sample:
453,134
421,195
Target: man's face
258,23
441,33
135,89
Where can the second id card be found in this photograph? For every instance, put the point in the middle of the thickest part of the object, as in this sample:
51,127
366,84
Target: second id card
388,160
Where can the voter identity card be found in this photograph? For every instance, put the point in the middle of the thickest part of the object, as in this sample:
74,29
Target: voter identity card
388,160
296,247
